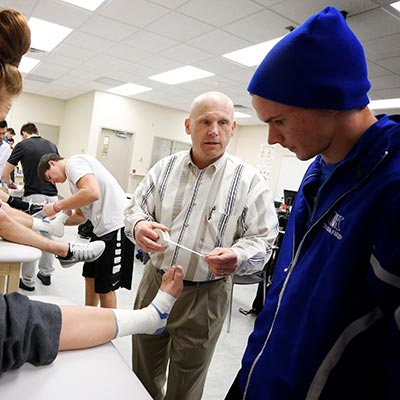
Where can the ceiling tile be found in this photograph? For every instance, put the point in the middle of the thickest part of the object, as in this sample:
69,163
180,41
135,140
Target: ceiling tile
375,70
48,70
385,82
87,41
77,53
299,11
221,12
80,76
95,69
38,78
268,3
243,75
107,28
186,54
207,84
390,93
219,65
177,26
219,42
171,4
391,64
32,86
61,60
150,41
384,47
374,24
138,13
261,27
23,6
61,13
127,53
128,41
132,72
159,63
109,61
382,2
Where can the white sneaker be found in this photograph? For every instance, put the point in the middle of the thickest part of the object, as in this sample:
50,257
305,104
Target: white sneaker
83,252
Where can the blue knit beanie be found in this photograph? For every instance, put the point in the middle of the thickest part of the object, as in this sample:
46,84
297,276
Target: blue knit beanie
321,64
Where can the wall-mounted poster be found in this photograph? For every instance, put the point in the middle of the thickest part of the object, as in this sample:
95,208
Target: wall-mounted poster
106,144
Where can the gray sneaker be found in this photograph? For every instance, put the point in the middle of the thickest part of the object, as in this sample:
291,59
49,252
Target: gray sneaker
83,252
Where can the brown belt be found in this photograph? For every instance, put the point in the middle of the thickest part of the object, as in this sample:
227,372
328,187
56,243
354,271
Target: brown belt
193,283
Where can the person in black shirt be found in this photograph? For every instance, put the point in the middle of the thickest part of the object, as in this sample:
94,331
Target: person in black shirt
28,152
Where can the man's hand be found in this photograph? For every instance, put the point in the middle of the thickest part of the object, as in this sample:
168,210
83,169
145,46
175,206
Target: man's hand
49,209
145,236
222,261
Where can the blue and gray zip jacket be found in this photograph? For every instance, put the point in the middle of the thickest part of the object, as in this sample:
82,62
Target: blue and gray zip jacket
330,328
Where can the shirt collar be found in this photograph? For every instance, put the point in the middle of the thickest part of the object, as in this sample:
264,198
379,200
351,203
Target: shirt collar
214,167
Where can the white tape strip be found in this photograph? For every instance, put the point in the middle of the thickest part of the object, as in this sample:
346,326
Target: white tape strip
163,238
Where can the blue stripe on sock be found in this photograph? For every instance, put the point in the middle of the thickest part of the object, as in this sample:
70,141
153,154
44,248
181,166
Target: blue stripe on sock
162,315
159,330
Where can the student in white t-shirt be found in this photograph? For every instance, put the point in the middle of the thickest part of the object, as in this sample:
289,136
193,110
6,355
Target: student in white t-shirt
5,149
97,196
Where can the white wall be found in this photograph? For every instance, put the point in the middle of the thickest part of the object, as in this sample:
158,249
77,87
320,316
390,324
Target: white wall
248,141
33,108
145,119
75,131
82,118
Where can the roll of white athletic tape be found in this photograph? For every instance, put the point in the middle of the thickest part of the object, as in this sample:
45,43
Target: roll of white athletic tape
163,236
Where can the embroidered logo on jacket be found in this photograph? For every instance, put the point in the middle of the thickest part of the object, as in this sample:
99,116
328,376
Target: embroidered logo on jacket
333,225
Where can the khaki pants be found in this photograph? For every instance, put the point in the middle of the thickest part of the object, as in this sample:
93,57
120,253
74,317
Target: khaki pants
188,342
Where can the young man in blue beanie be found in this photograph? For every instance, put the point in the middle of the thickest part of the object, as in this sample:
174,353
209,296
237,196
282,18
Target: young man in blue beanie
330,328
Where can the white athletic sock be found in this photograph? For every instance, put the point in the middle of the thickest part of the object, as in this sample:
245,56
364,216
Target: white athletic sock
149,320
40,225
55,226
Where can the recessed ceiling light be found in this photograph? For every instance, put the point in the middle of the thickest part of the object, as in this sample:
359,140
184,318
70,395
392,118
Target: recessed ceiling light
88,4
396,5
46,35
384,104
238,115
128,89
27,64
180,75
253,55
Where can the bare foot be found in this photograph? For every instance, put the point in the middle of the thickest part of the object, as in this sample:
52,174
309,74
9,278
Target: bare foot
172,281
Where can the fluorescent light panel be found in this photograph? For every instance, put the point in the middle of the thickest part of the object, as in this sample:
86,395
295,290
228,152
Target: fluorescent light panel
181,75
384,104
128,89
87,4
46,35
238,115
27,64
253,55
396,5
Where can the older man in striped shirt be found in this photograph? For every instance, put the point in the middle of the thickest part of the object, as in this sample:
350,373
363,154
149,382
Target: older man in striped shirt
217,205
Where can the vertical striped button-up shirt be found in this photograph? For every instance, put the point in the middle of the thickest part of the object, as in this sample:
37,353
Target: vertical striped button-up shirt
227,204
